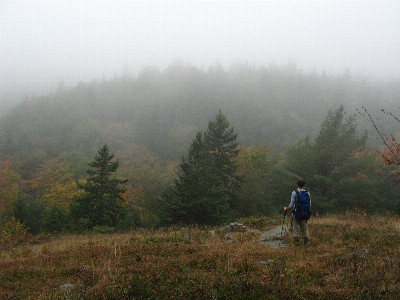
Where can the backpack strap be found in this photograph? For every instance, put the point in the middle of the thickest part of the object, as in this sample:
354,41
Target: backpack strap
298,192
298,195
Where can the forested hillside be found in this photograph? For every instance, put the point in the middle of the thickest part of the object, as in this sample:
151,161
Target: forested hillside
162,110
149,120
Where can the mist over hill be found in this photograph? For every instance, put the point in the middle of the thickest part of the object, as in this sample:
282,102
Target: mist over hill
161,110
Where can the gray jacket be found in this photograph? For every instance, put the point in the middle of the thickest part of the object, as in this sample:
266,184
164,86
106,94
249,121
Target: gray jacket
293,199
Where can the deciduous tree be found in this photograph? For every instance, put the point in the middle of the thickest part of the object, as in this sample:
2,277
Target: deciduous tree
10,190
391,146
259,169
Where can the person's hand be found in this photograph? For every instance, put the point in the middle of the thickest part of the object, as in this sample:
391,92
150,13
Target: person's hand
285,208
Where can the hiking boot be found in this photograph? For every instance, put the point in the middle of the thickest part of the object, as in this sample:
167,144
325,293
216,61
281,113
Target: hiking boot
305,240
296,241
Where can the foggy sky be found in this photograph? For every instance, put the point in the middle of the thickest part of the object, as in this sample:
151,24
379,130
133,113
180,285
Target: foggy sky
43,42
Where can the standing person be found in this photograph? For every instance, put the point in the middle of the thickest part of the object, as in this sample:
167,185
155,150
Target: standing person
300,202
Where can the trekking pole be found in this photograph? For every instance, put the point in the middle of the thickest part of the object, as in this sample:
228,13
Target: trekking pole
283,224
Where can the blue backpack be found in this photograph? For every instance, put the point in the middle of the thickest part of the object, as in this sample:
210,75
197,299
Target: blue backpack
302,209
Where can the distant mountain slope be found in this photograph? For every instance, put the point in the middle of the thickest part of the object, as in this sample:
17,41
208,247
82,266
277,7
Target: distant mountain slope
163,110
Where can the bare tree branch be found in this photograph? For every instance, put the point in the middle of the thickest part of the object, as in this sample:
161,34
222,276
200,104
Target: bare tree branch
391,152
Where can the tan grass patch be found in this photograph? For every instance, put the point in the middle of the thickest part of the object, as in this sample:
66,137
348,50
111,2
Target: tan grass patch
194,264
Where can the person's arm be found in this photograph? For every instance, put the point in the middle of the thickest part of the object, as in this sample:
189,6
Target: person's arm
292,201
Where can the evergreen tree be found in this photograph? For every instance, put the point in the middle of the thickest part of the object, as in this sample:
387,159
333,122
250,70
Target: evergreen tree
197,196
204,190
56,219
332,162
101,203
29,212
221,143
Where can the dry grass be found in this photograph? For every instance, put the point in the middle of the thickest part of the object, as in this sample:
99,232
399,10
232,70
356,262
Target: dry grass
351,257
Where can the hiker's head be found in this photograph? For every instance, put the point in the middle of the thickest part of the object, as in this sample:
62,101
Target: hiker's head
301,182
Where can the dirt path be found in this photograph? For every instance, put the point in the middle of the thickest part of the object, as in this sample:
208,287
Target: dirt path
273,237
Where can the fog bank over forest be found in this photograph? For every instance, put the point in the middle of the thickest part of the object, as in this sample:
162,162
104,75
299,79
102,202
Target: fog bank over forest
274,106
44,43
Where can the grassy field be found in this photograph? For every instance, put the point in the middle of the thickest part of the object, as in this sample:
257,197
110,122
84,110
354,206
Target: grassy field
351,256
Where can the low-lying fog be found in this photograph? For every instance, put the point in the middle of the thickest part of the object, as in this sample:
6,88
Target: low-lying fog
46,42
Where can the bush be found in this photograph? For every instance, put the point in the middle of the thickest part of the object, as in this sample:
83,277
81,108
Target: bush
13,232
103,229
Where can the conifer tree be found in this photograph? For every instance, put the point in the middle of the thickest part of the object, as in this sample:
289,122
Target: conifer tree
206,183
221,142
101,203
197,196
332,162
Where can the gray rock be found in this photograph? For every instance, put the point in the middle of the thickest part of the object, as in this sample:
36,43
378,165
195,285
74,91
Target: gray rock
359,253
235,227
265,262
67,287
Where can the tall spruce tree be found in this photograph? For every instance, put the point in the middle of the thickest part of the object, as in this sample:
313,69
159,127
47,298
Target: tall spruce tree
206,182
197,196
221,143
101,204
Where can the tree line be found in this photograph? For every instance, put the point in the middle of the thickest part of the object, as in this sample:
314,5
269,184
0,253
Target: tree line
216,181
281,131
